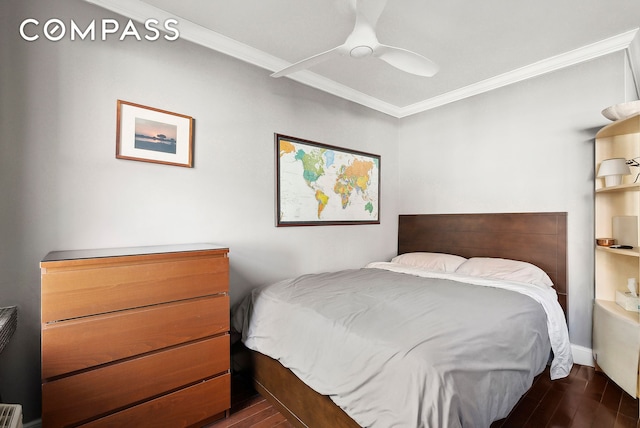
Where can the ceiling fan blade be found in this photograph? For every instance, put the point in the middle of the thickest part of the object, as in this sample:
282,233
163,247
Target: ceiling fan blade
406,60
370,10
308,62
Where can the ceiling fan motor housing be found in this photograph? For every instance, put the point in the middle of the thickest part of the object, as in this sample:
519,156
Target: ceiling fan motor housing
361,51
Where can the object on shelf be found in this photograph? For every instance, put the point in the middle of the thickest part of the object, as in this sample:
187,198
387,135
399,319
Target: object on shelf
622,110
605,242
612,171
625,230
627,301
632,285
634,162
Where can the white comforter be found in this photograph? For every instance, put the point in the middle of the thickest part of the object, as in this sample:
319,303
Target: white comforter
398,350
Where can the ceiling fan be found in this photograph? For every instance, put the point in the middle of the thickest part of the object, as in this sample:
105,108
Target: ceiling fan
362,42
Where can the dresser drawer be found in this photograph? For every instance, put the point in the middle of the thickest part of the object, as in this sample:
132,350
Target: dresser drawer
93,286
198,403
78,398
78,344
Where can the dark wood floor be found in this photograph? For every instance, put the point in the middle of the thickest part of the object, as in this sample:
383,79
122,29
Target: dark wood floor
584,399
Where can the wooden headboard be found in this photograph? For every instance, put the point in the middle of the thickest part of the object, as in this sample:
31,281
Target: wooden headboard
537,238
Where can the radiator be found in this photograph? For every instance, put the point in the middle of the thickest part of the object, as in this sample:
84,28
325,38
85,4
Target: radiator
10,416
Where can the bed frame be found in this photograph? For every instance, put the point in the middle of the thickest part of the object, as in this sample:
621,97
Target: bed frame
538,238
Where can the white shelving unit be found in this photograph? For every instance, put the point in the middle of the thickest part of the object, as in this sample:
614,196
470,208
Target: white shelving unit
616,331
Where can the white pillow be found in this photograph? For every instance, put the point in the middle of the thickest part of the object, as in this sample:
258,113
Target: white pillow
435,262
505,269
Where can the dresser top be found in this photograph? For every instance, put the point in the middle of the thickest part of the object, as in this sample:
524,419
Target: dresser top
55,256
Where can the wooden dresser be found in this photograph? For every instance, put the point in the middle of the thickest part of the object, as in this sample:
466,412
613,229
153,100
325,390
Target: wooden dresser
135,336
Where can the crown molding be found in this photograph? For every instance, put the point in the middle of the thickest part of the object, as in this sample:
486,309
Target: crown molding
140,11
633,54
567,59
332,87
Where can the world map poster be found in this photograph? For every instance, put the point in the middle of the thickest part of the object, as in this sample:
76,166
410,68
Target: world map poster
322,184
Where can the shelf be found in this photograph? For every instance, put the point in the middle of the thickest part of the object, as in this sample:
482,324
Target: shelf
626,126
620,312
635,252
620,188
616,331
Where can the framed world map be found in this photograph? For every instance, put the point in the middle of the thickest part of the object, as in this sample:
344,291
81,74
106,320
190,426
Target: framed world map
318,184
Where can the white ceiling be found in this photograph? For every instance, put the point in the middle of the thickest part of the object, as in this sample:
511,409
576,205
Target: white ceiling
479,45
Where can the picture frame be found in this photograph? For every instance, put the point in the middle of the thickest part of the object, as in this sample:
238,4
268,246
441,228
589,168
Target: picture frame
320,184
149,134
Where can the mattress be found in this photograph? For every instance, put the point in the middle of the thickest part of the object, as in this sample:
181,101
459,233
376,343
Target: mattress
409,349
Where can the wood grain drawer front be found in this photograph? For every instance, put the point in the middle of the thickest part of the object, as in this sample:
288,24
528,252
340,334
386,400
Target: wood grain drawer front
196,403
86,342
112,284
82,397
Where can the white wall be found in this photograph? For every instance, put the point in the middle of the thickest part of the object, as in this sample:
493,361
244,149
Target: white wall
62,187
522,148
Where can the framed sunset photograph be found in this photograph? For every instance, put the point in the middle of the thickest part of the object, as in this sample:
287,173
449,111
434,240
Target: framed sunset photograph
149,134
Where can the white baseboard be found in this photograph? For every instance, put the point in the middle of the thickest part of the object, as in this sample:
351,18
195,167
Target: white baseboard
582,355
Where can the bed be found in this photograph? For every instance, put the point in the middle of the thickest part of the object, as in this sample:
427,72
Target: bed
424,340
